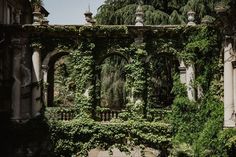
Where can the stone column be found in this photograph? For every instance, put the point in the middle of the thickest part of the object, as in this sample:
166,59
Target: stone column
234,86
45,84
182,69
36,80
190,77
16,88
229,115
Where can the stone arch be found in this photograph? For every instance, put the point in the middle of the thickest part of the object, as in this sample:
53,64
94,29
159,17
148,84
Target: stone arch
48,75
100,62
101,59
161,79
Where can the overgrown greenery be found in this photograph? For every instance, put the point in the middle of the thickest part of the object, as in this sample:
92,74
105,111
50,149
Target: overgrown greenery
194,128
156,11
81,135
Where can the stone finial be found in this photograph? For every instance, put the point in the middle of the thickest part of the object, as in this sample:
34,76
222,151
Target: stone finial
37,18
139,16
191,18
89,17
44,20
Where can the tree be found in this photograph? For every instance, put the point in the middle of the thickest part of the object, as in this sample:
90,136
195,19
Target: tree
113,94
118,12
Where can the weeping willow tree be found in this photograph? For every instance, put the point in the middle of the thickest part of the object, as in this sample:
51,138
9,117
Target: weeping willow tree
113,82
118,12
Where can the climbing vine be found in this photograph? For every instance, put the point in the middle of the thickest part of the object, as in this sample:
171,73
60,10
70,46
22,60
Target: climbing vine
178,127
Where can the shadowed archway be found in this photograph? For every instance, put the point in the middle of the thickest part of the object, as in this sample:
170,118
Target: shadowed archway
48,68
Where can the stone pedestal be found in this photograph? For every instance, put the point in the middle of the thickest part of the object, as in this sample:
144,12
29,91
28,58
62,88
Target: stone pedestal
36,81
229,116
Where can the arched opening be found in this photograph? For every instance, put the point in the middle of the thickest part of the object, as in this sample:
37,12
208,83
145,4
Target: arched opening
49,75
112,83
162,68
64,87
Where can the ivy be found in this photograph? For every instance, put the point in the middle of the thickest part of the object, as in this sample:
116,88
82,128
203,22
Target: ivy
180,128
81,135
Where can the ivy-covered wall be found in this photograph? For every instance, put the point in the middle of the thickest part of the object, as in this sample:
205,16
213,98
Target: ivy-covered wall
181,128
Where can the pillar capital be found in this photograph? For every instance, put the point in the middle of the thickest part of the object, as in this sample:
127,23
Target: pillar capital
45,67
36,45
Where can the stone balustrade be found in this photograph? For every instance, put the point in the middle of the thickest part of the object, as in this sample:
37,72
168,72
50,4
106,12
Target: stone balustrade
56,113
106,116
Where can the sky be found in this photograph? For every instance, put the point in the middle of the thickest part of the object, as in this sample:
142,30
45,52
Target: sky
70,11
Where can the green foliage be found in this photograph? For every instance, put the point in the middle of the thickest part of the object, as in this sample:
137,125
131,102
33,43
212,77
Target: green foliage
196,126
37,2
155,11
81,135
113,93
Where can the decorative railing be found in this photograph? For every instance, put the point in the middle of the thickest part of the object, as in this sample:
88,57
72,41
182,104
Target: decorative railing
60,113
67,114
107,115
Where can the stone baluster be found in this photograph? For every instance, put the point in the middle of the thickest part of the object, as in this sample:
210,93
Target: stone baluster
229,113
16,88
106,116
103,116
36,79
112,114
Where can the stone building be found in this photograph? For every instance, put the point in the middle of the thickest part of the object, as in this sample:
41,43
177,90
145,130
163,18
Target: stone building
21,64
12,12
15,59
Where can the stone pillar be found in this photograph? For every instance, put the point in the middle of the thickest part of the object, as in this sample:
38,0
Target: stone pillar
16,88
182,69
234,86
36,80
45,84
229,115
26,81
190,77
